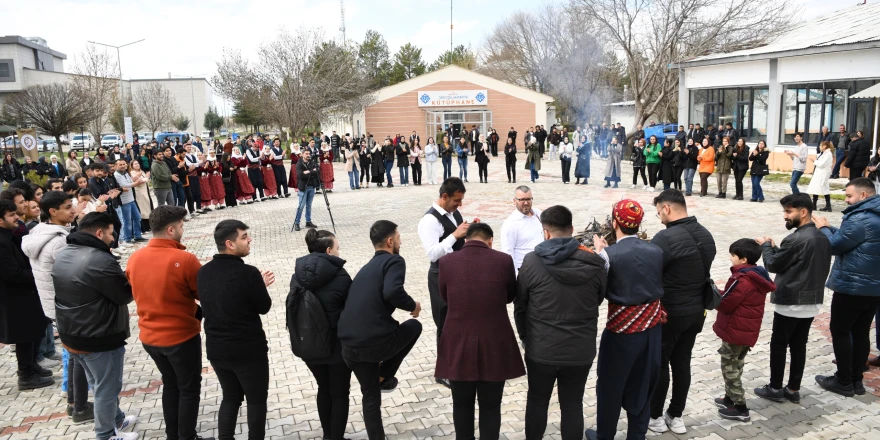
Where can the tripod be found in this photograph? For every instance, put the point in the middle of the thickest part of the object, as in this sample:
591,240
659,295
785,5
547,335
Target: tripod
326,202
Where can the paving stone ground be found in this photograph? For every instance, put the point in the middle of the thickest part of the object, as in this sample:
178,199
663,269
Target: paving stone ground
421,409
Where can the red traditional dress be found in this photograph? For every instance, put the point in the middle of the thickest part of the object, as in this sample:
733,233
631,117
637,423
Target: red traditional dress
292,181
243,187
327,169
218,190
205,185
270,187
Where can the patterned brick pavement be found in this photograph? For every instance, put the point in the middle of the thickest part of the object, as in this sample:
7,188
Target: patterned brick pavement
419,408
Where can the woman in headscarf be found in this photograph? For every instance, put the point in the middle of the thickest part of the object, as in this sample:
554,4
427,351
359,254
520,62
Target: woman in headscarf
295,150
377,165
582,167
270,186
205,192
612,168
244,189
366,161
227,179
141,185
327,166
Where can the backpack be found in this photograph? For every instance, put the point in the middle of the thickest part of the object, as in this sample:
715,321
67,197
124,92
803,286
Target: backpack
310,333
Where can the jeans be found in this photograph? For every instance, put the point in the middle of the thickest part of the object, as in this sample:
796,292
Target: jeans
447,167
835,172
533,171
131,221
334,384
636,171
795,177
788,333
46,347
164,196
757,191
181,368
850,326
679,335
77,384
464,395
572,381
104,373
179,194
354,179
462,167
383,360
689,180
305,201
404,175
389,164
239,379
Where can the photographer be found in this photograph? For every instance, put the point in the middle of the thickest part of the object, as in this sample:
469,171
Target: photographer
308,178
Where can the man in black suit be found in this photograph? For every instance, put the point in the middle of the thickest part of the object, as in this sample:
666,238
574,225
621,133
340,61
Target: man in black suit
699,134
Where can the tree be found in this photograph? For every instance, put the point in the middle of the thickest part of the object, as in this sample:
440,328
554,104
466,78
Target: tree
155,105
408,64
117,118
372,58
55,109
460,56
213,121
652,34
96,80
180,122
243,114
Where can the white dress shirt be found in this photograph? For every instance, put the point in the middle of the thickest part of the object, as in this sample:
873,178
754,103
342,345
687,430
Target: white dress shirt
430,231
520,234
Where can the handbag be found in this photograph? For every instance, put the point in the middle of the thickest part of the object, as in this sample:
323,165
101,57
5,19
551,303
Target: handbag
711,295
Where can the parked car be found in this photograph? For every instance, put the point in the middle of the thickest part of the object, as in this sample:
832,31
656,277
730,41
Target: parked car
48,144
82,142
181,137
662,131
224,132
111,140
206,137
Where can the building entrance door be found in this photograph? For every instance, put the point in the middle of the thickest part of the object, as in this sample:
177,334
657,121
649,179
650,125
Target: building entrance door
439,122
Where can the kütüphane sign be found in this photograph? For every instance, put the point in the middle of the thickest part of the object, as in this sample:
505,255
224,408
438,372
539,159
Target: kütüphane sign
451,98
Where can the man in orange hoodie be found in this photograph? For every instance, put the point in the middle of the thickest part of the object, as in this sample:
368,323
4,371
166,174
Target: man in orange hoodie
163,282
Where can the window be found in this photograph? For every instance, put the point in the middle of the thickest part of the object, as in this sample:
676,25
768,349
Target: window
4,70
809,107
7,71
745,108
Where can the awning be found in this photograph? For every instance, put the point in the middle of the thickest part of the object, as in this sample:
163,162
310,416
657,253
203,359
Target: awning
870,92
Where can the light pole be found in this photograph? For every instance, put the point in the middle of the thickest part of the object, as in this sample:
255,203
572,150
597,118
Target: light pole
119,63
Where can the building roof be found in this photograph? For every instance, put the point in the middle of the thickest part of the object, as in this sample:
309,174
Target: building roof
622,104
853,28
17,39
461,74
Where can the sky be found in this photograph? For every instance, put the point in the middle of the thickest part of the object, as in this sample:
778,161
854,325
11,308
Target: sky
188,37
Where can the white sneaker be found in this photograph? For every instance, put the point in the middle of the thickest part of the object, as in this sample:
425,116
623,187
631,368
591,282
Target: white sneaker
675,424
658,425
126,244
49,363
127,424
652,189
632,187
125,436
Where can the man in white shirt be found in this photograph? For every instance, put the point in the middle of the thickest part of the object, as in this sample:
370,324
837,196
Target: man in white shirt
442,232
798,162
522,230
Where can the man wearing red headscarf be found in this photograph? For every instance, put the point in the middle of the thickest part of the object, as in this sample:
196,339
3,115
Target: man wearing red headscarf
629,354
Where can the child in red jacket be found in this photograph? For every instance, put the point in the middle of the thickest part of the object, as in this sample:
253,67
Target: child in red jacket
739,323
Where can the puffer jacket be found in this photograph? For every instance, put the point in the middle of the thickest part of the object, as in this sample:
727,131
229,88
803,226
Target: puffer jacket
856,244
325,276
724,159
801,264
684,276
41,245
742,306
92,295
559,289
859,154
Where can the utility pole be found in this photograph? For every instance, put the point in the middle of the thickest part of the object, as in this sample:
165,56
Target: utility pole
342,20
450,27
119,64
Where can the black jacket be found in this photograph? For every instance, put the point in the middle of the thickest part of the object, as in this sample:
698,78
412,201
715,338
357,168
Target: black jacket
92,295
859,154
801,264
60,174
11,171
402,155
324,275
312,179
21,315
741,161
759,162
233,295
684,275
376,291
559,289
690,158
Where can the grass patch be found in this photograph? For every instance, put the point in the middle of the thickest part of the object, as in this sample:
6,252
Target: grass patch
785,178
841,197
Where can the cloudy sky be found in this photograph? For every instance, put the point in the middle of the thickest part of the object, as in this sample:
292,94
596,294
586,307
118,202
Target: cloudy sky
187,37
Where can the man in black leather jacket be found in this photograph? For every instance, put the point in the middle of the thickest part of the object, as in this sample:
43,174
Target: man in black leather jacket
91,307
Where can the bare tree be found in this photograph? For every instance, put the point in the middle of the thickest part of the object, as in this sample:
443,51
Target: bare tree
155,105
96,78
55,109
655,33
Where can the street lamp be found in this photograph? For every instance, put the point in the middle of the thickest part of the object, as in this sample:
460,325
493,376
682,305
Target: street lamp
119,62
193,97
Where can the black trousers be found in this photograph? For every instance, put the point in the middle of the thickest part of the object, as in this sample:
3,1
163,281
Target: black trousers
464,395
856,172
483,170
511,171
255,175
239,379
77,385
628,369
679,336
383,360
572,381
193,193
334,384
26,356
738,176
438,306
566,170
281,179
417,173
181,368
229,188
676,177
636,171
653,169
850,326
788,333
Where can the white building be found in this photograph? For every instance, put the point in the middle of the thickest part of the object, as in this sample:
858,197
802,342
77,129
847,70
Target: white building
25,63
624,112
805,79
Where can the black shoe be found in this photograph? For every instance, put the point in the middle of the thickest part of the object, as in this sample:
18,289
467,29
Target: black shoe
739,413
834,177
753,200
830,383
198,437
389,186
721,196
40,371
117,257
388,384
591,434
826,209
444,382
859,388
296,228
792,396
84,416
723,402
311,225
33,382
770,393
141,240
69,410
